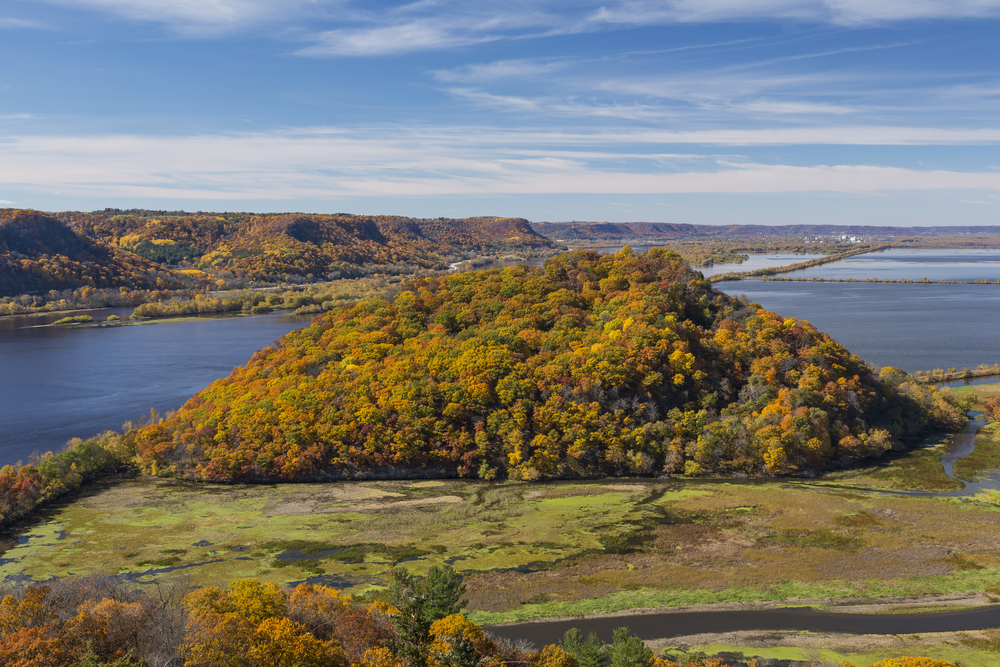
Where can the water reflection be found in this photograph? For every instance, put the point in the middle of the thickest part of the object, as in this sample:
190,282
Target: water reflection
63,382
915,327
962,264
962,444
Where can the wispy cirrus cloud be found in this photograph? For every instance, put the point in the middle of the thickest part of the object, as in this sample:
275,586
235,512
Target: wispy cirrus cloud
796,107
496,101
205,17
843,12
323,163
502,70
440,25
355,29
424,26
392,39
7,22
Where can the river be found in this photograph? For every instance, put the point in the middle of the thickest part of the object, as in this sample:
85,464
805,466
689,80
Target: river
65,382
912,326
59,383
962,264
752,263
662,625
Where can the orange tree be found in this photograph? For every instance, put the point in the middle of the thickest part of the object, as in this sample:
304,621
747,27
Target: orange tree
613,364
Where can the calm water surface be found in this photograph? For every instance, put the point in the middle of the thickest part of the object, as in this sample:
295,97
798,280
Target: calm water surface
58,383
903,263
755,261
915,327
764,261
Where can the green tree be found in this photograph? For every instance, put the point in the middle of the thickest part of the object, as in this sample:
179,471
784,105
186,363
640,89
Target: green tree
421,602
587,651
627,650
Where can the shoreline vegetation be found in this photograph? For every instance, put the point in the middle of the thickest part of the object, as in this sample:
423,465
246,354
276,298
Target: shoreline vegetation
116,258
512,410
902,281
213,615
861,249
233,294
418,622
952,374
602,364
224,292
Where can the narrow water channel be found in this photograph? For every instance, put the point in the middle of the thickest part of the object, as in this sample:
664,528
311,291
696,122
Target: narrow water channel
662,625
963,443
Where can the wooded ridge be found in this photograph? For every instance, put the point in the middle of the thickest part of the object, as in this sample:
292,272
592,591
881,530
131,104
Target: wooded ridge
143,250
600,364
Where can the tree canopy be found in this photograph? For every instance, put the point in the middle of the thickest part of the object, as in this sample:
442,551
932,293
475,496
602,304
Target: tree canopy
614,364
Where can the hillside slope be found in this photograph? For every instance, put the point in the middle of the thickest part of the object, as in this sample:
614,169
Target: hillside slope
614,364
666,231
39,253
270,246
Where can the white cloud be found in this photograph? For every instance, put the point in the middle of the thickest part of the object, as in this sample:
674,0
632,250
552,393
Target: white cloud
845,12
423,26
201,16
358,30
18,23
495,101
500,70
6,202
402,38
792,107
15,116
329,163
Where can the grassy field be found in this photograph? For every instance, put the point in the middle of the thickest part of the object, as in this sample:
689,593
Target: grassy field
533,550
824,649
530,550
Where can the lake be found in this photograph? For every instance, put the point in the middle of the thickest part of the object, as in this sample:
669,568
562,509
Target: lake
912,326
762,261
65,382
59,383
904,263
754,262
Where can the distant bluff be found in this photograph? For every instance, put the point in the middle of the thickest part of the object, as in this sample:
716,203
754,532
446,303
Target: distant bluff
266,246
39,252
139,249
597,365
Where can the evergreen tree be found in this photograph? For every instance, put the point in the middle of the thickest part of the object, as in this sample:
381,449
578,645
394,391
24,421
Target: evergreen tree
587,651
627,650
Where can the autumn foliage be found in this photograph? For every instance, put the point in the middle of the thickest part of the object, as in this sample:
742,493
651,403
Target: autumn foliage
991,409
106,622
613,364
265,246
41,253
44,258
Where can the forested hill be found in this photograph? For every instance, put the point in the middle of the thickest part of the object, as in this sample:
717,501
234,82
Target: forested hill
666,231
39,253
267,246
614,364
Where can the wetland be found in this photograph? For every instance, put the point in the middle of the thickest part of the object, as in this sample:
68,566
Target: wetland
917,529
533,550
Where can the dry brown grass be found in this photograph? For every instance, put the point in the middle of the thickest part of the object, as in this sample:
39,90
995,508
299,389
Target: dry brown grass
764,535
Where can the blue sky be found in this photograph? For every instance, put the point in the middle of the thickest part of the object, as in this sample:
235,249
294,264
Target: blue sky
700,111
